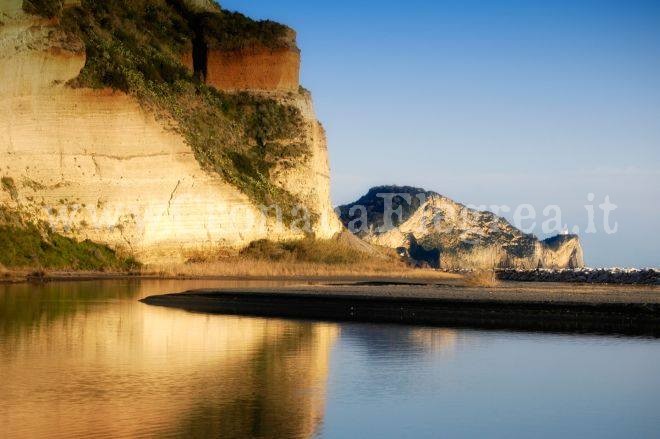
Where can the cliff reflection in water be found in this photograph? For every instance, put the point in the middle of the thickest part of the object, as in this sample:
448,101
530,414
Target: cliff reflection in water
88,359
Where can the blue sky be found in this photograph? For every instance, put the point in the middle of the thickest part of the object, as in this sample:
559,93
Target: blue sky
493,103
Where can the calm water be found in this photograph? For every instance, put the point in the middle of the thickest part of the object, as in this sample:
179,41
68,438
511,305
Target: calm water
87,359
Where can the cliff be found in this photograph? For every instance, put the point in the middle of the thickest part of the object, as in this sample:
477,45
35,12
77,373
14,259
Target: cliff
431,228
233,53
105,135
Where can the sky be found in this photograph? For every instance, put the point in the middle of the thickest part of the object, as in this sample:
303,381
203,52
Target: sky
498,103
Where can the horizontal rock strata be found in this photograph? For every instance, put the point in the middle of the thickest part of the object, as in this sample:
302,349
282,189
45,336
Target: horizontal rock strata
96,164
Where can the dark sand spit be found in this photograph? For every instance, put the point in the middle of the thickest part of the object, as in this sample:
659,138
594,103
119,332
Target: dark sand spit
563,308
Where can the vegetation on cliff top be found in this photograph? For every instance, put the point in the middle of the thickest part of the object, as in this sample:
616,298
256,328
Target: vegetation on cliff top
234,31
28,245
45,8
136,46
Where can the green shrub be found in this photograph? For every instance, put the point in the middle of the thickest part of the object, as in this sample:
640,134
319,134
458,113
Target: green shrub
44,8
234,31
9,186
28,245
330,252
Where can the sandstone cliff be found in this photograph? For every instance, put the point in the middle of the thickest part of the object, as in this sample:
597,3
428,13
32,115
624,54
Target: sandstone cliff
431,228
265,57
254,68
103,146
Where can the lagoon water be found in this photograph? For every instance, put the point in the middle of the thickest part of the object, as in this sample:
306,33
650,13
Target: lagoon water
87,359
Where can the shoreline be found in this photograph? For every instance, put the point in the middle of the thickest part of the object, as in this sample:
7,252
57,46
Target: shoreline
607,310
79,276
595,277
433,300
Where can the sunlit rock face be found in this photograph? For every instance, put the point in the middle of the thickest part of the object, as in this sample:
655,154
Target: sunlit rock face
95,164
254,68
449,235
267,66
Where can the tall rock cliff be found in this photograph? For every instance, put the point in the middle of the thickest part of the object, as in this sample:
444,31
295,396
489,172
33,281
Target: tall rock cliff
449,235
106,135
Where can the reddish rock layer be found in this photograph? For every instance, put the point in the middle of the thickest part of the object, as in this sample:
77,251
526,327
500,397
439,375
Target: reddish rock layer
256,68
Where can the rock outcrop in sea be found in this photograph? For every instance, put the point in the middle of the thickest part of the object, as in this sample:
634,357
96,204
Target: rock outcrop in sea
429,228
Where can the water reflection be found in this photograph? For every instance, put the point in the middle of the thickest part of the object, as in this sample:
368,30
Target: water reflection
90,360
399,341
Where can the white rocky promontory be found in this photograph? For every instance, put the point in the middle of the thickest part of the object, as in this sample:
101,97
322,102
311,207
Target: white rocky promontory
433,229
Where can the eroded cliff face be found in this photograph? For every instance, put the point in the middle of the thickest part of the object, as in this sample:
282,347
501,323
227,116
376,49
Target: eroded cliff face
254,68
96,164
253,63
449,235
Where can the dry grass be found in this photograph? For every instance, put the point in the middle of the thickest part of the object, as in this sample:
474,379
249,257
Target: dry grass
336,251
11,275
481,278
338,257
245,267
240,268
342,257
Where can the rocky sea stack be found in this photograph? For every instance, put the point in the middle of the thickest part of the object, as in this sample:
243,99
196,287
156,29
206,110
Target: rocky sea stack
432,229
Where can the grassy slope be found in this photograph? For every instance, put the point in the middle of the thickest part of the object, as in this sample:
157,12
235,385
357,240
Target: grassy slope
327,252
24,244
337,257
